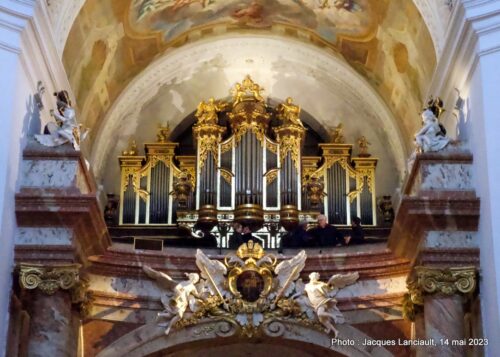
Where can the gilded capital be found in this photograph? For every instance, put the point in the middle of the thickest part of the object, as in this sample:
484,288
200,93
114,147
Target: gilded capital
447,281
412,301
48,279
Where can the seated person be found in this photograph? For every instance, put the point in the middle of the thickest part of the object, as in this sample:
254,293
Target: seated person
298,238
357,235
235,240
326,235
208,240
247,235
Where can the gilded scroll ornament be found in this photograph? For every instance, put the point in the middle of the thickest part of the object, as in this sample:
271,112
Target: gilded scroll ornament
208,136
412,301
48,279
271,175
447,281
226,175
289,137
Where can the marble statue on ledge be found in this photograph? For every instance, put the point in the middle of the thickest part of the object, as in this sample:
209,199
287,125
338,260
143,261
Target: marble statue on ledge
321,297
66,129
179,296
431,136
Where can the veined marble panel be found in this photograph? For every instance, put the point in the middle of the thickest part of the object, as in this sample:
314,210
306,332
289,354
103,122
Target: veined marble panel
373,287
43,236
440,239
148,288
446,177
49,173
137,287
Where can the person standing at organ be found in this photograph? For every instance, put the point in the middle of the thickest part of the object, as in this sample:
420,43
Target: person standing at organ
326,235
247,235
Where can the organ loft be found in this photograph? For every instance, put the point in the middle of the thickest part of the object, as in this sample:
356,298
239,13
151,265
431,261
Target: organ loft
249,167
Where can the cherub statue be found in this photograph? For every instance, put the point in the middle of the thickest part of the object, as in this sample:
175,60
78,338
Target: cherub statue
321,297
289,112
430,137
66,129
247,89
207,111
363,147
179,295
336,135
131,150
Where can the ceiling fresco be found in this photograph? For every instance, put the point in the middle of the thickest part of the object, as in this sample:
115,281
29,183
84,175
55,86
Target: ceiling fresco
386,41
328,18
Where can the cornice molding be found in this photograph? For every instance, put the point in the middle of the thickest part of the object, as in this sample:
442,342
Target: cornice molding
469,37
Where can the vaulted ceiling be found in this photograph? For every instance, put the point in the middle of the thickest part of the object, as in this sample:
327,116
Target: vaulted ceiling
134,63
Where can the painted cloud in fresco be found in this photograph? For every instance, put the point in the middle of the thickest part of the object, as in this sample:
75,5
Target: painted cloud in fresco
328,18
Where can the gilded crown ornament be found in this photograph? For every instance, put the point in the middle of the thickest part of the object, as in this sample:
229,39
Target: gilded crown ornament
250,250
247,90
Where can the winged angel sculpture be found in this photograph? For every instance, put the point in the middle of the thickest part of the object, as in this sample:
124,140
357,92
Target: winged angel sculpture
250,289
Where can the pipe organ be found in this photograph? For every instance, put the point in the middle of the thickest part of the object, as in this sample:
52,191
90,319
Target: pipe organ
248,168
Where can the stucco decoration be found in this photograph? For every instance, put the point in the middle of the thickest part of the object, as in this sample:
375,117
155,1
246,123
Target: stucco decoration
387,42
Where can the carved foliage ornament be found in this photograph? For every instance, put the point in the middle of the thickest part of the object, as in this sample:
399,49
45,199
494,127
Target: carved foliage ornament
48,279
437,281
447,281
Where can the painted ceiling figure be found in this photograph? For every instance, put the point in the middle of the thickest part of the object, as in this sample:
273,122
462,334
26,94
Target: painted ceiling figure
430,137
151,6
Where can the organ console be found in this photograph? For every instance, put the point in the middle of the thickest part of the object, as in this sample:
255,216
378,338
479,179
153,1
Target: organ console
248,168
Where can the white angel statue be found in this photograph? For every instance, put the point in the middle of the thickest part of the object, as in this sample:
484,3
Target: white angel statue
430,137
321,298
179,295
287,272
66,129
213,271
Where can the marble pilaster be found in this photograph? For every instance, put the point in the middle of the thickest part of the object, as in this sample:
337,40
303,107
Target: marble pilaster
49,290
52,331
444,323
442,293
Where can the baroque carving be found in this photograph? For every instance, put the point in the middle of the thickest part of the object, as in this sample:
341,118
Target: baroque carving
48,279
252,292
447,281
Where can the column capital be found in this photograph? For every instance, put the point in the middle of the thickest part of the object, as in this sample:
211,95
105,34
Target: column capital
447,281
48,278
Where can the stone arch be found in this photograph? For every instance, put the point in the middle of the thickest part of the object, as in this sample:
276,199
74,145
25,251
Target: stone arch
314,73
150,339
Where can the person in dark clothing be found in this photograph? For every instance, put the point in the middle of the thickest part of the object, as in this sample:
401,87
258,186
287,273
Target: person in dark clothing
247,235
236,239
357,235
326,235
298,238
209,240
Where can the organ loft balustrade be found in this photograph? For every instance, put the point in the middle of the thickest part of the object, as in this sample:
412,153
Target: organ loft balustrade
249,167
